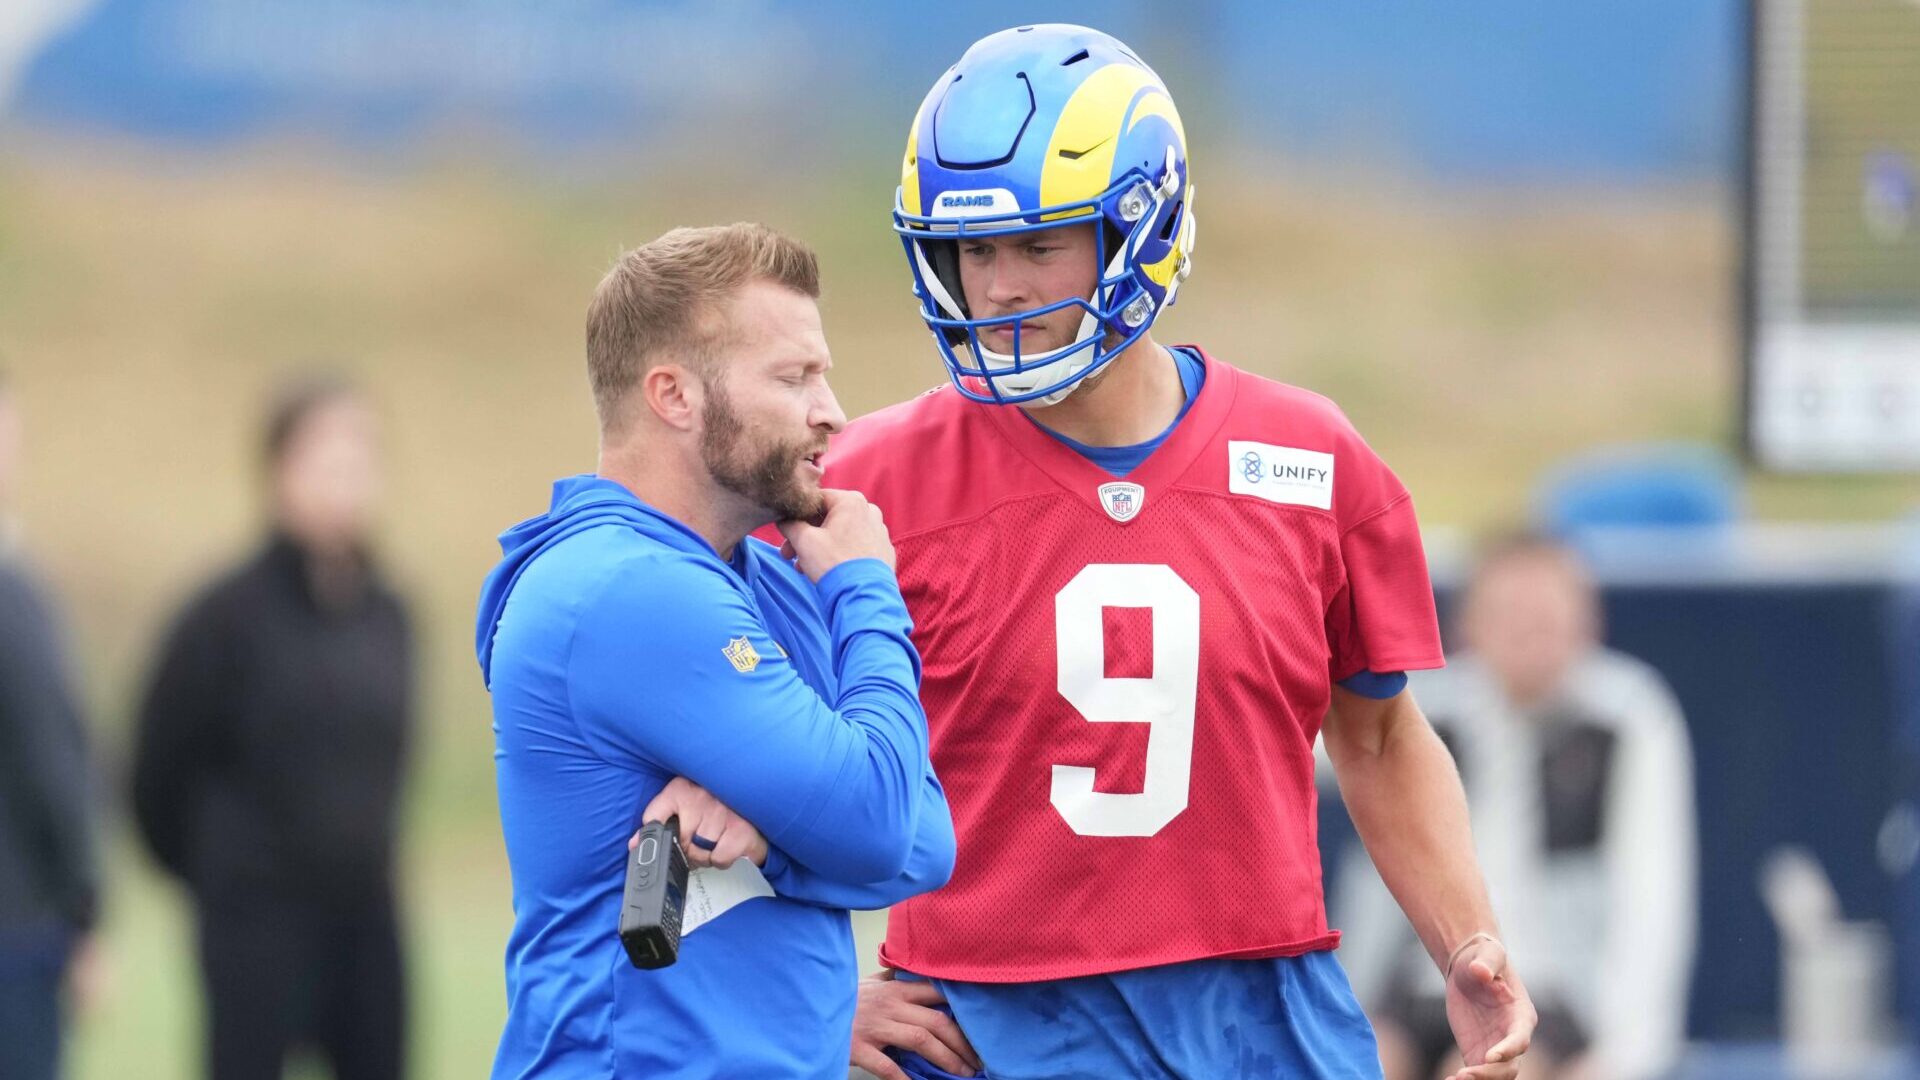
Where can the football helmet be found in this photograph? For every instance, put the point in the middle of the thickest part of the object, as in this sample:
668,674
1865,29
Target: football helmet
1036,128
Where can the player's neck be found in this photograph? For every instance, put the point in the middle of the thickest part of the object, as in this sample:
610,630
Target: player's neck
1135,398
683,493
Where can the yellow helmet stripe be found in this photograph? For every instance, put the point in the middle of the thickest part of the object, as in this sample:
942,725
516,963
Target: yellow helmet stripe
910,167
1079,160
1108,102
1158,103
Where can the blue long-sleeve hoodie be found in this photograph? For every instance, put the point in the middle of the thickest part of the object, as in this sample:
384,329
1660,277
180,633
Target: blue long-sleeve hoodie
622,651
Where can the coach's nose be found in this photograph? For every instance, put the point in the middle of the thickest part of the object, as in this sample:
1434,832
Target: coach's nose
825,413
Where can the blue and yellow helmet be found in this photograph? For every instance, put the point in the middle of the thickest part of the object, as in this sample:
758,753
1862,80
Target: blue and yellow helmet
1034,128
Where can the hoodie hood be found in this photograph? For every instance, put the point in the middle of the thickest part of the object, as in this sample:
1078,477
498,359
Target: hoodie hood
579,503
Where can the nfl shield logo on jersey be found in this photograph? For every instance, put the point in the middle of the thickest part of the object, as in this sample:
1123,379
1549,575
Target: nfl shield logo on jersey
741,654
1122,500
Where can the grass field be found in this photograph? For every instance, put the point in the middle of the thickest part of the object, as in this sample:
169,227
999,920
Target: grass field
147,303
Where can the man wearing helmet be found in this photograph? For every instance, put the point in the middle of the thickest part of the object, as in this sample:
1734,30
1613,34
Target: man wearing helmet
1140,580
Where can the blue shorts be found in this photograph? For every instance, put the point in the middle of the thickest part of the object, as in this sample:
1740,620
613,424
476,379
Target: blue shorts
1288,1018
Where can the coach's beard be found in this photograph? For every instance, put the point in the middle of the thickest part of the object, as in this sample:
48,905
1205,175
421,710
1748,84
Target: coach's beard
764,473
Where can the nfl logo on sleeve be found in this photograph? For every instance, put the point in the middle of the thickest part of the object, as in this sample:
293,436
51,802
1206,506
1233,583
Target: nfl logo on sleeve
742,655
1122,500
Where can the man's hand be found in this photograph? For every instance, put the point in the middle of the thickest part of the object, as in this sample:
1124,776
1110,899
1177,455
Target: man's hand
710,834
1488,1008
852,529
901,1013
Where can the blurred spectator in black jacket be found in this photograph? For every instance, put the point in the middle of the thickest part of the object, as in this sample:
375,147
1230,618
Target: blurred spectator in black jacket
269,764
49,884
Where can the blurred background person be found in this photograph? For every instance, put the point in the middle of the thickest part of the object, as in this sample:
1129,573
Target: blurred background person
270,758
1578,768
49,873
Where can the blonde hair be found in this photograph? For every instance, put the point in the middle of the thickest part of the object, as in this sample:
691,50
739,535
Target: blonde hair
664,300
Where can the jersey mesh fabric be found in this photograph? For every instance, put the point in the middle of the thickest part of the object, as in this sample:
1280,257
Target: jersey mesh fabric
1239,853
986,547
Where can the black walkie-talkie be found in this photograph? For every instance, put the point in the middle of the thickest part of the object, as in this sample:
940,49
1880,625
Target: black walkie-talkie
656,895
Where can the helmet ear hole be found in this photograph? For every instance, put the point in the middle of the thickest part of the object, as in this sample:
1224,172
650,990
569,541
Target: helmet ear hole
1173,221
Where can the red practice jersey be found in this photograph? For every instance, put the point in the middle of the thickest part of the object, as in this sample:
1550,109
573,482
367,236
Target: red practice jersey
1124,679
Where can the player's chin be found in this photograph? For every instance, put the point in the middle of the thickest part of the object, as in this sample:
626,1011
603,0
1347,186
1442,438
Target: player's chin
801,502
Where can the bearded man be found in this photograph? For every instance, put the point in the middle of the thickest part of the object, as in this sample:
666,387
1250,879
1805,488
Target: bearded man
647,659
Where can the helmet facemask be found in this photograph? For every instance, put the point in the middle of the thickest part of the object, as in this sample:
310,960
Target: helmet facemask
1121,307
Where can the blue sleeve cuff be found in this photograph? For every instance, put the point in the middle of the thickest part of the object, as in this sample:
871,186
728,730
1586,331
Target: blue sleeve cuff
776,865
855,572
1379,685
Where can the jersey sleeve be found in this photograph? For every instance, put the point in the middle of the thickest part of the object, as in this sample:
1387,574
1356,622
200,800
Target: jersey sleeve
1383,617
672,668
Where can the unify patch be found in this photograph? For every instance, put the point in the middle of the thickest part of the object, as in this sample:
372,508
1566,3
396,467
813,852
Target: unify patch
1282,474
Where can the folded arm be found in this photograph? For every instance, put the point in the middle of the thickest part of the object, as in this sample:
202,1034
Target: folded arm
672,667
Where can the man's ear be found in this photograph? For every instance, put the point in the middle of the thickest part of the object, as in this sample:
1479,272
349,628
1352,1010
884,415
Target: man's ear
675,394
